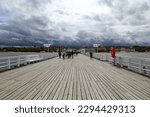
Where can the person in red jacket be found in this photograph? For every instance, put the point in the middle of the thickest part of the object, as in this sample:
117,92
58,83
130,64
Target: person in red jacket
113,54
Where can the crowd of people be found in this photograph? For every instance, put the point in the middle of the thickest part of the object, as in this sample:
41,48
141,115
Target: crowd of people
71,53
67,54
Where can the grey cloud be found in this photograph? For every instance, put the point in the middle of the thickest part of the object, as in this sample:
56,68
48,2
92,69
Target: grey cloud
94,17
67,37
107,2
35,27
123,10
64,29
138,9
38,22
19,26
145,6
83,34
87,17
5,12
36,19
35,4
97,18
5,15
61,12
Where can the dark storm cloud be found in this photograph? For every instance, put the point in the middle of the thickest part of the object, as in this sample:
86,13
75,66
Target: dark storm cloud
33,28
25,27
85,35
62,19
37,22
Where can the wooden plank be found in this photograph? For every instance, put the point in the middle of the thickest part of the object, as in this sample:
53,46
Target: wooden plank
54,85
74,92
40,95
63,81
83,92
67,87
72,79
79,93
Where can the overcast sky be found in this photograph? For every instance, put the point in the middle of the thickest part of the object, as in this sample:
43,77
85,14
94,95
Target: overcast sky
121,20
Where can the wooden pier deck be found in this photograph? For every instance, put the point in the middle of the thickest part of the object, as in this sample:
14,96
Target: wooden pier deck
73,79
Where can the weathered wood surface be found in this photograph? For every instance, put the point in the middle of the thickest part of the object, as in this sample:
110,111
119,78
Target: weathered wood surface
73,79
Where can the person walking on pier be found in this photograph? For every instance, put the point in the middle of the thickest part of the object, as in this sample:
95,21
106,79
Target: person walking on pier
113,54
91,55
63,55
72,53
59,53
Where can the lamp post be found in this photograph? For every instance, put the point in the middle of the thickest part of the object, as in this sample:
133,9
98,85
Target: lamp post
96,46
47,46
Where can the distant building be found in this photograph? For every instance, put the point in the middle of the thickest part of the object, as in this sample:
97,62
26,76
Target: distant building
125,49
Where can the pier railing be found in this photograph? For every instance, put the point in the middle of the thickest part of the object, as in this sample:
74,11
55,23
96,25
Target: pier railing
16,61
136,64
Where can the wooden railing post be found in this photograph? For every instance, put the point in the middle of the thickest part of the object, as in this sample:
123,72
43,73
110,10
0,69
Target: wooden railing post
18,61
9,66
120,61
129,60
140,66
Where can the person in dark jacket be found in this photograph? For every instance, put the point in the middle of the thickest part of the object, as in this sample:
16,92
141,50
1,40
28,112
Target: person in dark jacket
91,55
72,54
59,53
63,55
